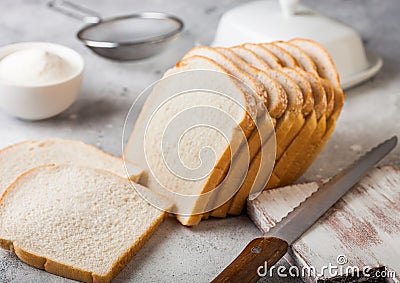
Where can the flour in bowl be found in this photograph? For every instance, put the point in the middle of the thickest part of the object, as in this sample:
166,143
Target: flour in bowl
34,67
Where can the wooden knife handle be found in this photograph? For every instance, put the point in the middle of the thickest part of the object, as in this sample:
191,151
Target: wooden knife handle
257,252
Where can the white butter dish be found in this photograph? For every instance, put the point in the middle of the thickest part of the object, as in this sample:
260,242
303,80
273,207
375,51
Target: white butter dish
265,21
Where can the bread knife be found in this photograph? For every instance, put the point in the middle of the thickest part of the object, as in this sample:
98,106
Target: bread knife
271,247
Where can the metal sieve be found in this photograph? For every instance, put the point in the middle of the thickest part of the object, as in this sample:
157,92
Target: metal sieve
124,38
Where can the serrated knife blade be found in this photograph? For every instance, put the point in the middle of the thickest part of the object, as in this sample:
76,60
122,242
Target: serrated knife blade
298,221
273,246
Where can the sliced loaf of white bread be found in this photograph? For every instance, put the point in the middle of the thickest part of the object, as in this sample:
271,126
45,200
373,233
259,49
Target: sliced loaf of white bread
77,222
21,157
162,107
296,81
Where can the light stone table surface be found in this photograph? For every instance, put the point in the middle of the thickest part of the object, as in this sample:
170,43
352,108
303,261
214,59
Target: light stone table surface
176,253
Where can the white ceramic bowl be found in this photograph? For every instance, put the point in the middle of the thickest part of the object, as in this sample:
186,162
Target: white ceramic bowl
43,101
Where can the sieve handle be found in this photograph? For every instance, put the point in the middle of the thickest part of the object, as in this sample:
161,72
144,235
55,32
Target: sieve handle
75,11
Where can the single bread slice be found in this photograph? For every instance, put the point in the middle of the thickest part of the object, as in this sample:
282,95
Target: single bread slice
324,63
318,92
285,58
304,61
330,96
21,157
77,222
264,54
305,87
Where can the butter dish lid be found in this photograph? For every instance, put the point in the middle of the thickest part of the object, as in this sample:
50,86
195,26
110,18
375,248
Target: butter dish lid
265,21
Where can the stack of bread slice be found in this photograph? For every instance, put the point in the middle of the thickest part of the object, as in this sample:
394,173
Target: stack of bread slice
295,81
82,218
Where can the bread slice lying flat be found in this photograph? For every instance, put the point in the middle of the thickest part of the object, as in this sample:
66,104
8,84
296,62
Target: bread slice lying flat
21,157
76,222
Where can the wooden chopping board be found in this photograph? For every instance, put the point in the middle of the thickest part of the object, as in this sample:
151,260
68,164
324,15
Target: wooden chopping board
362,229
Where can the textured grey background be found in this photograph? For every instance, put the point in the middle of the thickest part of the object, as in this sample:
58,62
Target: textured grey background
176,253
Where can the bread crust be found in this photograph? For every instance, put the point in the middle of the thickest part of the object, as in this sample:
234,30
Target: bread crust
325,69
284,57
294,151
222,163
307,144
288,126
254,145
305,87
335,101
71,272
214,55
254,142
314,150
286,129
288,172
134,177
64,270
277,109
304,61
263,53
299,145
15,145
307,75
